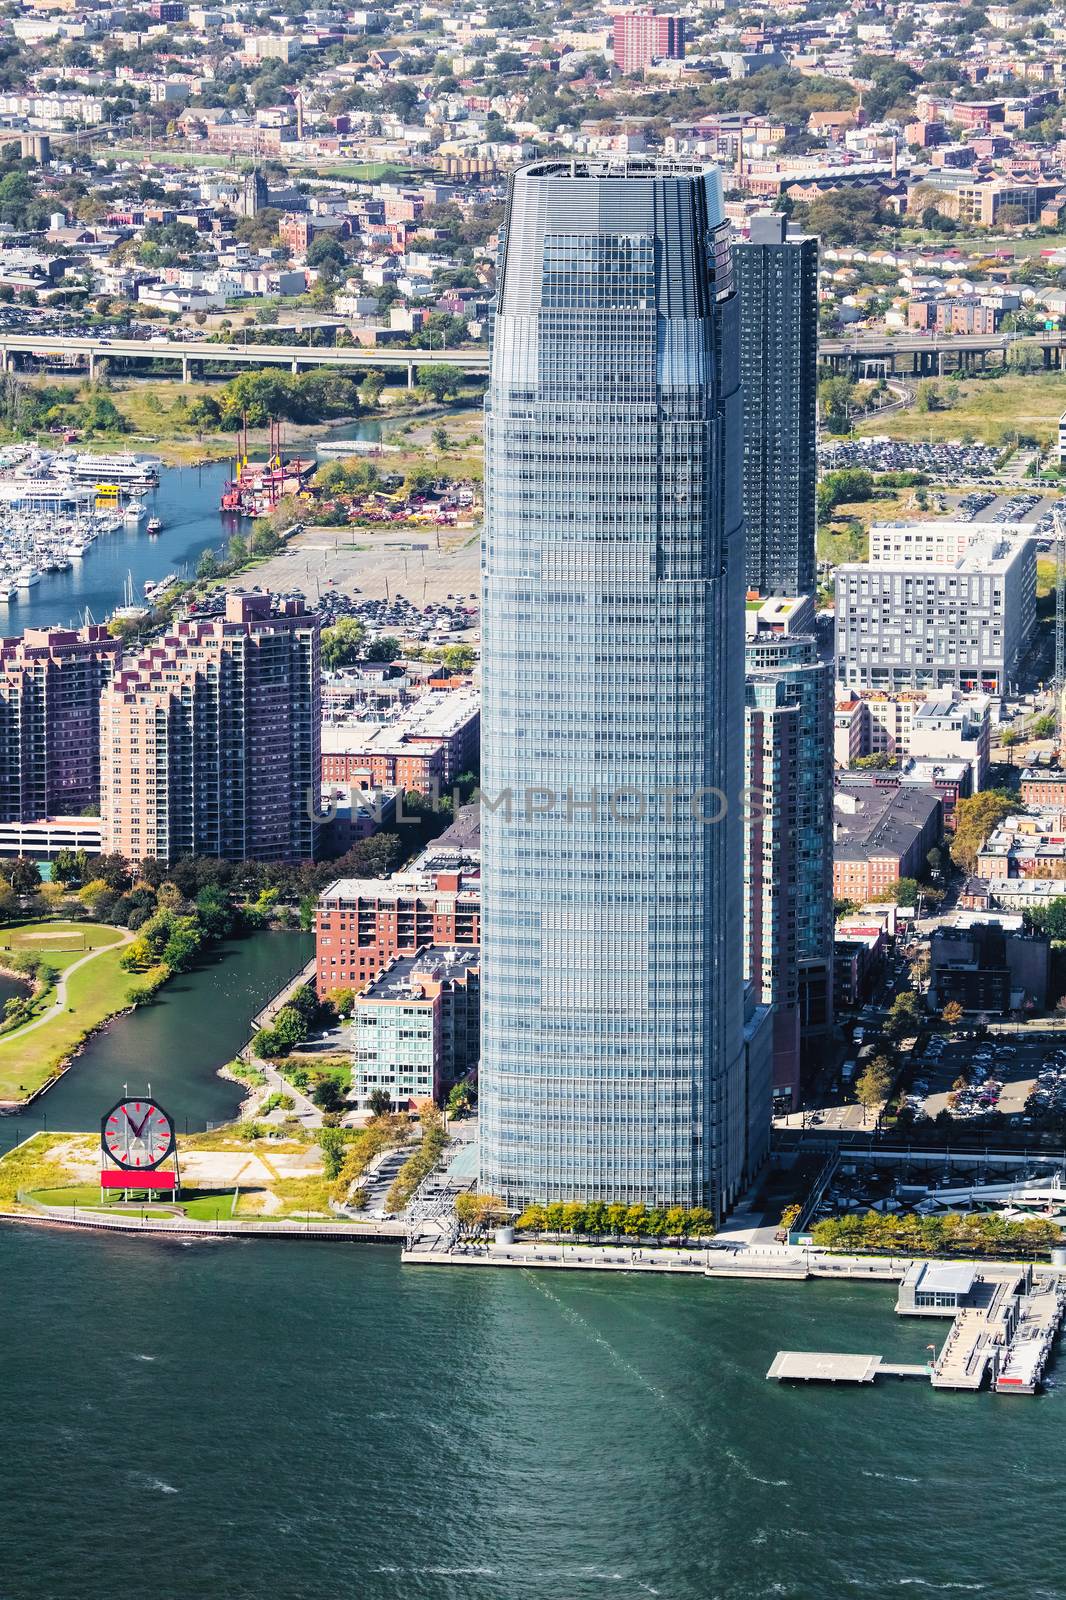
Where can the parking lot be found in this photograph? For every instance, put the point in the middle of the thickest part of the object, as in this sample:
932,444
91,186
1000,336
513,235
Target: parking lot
999,1076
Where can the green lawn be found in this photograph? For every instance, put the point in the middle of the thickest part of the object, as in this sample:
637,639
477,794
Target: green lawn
95,992
200,1205
59,943
989,409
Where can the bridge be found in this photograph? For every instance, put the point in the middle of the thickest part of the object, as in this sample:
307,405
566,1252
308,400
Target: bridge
192,353
862,355
924,355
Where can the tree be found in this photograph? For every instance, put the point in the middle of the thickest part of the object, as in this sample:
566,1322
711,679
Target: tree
905,1014
458,657
342,643
379,1101
342,1001
835,397
952,1014
328,1095
289,1026
332,1142
873,1085
65,867
440,380
927,396
24,875
975,818
385,648
1049,919
904,892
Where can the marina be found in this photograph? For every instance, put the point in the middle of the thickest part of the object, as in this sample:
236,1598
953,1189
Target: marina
113,545
54,505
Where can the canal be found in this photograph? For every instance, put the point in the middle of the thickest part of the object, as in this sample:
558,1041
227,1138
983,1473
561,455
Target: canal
195,1025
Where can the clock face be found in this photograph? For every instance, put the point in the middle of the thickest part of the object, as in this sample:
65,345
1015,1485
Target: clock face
137,1133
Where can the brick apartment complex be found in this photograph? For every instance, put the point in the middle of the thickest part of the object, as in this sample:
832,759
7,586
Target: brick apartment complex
363,923
642,37
1044,789
881,835
211,739
379,760
420,744
50,686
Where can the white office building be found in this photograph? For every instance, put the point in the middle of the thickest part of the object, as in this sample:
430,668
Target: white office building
964,623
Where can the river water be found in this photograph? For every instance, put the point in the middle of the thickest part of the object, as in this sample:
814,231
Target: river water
290,1421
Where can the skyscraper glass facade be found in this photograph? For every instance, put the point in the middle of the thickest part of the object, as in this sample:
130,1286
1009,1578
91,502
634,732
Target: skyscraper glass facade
777,279
613,665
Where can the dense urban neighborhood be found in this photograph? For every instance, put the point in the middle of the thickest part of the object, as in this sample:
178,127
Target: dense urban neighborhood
532,745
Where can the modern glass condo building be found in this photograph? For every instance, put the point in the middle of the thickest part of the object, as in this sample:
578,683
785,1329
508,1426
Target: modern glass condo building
613,694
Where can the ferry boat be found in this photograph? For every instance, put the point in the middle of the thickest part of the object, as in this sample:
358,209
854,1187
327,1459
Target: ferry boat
123,471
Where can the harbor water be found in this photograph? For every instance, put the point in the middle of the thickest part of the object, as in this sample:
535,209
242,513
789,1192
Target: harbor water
196,1023
186,501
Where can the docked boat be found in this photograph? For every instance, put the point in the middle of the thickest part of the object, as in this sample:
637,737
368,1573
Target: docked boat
123,470
27,577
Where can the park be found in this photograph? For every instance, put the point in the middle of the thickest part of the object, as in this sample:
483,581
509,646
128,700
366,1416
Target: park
79,984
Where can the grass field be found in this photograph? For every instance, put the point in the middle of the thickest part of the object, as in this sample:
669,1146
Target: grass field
59,943
94,993
987,409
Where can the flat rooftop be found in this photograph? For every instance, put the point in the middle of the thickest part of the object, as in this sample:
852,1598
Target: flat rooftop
403,976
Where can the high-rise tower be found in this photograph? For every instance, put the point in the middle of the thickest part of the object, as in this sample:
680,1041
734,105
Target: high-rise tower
777,278
613,713
789,856
210,739
50,685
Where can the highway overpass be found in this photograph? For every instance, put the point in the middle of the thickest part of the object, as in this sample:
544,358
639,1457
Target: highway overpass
861,355
191,352
929,354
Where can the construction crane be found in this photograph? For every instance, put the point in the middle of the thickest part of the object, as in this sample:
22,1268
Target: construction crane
1060,620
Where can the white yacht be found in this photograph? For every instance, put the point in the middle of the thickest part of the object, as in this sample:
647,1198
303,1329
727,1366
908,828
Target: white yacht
27,577
124,469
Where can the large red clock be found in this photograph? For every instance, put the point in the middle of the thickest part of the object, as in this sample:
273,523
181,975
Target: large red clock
137,1134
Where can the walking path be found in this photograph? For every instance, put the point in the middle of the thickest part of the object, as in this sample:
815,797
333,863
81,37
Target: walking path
60,1002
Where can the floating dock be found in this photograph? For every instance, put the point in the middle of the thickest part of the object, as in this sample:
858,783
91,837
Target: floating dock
823,1366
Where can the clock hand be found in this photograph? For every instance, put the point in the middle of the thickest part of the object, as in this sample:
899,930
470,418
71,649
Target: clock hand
138,1128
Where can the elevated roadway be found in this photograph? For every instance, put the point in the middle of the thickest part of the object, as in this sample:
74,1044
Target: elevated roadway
190,353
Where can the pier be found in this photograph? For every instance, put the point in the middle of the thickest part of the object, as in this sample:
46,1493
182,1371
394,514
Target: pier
1005,1320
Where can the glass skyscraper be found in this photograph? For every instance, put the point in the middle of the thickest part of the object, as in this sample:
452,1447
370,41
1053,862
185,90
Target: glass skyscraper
613,694
777,278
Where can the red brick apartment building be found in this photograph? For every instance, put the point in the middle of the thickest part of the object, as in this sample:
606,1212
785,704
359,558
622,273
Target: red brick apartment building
363,923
